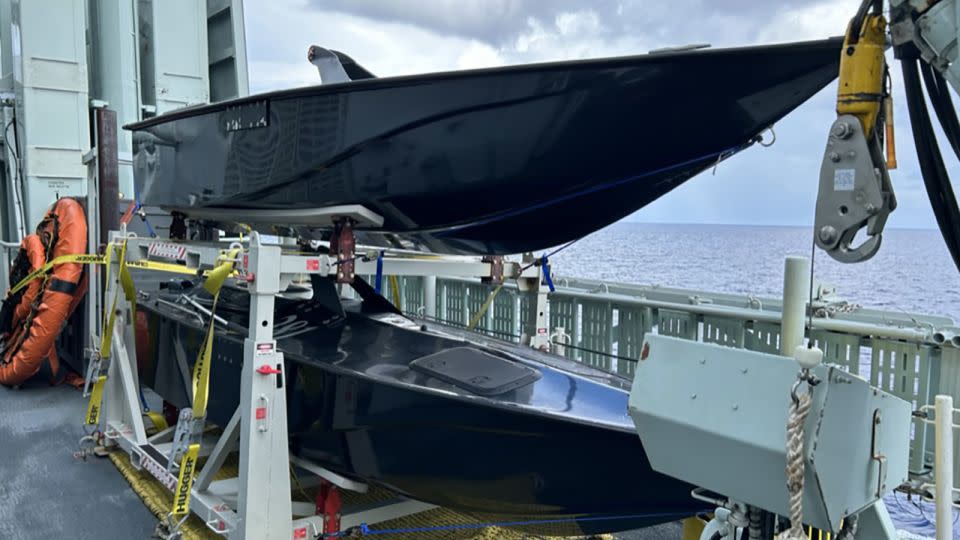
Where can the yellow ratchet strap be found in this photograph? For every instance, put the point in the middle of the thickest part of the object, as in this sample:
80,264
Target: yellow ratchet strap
181,497
201,383
63,259
483,309
106,338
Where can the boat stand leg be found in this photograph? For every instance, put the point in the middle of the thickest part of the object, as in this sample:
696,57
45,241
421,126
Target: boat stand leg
535,327
343,245
122,387
329,507
226,444
121,410
264,506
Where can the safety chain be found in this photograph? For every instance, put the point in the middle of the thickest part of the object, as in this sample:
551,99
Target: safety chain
799,409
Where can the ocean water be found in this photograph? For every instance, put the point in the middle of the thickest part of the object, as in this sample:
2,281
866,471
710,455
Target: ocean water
912,272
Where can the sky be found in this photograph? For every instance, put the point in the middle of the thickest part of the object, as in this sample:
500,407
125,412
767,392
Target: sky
766,186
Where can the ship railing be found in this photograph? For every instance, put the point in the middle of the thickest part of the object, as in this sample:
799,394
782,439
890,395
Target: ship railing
602,324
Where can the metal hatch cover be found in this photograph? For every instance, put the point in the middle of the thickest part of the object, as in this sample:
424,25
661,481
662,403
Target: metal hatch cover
476,371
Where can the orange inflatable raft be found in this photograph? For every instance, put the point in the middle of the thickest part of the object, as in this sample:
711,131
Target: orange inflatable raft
34,316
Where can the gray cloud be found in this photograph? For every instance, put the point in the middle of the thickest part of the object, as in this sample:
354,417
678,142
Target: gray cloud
501,22
495,22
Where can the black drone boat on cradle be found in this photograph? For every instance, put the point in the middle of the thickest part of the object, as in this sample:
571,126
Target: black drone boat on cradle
488,161
502,432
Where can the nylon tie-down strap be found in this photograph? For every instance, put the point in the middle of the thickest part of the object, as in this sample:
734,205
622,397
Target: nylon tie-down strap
201,387
109,319
99,368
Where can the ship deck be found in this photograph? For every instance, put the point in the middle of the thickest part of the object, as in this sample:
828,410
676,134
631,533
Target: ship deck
49,493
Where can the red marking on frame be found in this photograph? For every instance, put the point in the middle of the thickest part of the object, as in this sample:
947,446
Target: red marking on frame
261,413
300,533
313,264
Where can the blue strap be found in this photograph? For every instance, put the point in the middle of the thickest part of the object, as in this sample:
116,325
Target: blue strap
143,400
136,210
378,281
545,268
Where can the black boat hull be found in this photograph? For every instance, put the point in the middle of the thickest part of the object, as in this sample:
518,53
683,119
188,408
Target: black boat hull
487,161
559,447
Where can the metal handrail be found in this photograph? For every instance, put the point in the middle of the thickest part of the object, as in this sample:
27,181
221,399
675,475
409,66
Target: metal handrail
887,325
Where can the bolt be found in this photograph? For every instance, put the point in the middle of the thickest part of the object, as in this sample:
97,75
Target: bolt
870,208
744,370
841,130
852,154
693,396
736,407
828,234
834,157
703,360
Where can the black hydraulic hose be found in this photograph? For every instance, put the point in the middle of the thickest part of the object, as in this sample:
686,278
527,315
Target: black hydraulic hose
942,105
934,172
935,176
856,23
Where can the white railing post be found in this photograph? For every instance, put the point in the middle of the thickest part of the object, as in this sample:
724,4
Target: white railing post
796,290
943,471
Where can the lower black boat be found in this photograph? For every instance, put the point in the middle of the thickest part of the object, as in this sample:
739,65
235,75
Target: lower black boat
495,430
488,161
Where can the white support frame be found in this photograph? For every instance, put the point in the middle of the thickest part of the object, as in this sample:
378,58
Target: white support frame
257,504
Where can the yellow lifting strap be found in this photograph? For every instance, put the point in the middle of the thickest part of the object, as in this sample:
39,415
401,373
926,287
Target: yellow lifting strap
63,259
862,70
201,370
109,319
201,383
181,497
483,309
395,289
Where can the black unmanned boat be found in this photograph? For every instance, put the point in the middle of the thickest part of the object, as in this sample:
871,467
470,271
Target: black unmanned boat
487,161
499,431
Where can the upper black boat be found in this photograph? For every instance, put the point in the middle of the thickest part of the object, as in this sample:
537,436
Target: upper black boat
487,161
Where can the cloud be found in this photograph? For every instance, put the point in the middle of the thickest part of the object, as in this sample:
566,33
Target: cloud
775,185
489,21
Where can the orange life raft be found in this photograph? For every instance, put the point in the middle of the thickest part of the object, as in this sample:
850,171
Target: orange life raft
33,318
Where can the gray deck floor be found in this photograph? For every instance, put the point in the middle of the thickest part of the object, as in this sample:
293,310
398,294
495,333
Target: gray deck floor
44,491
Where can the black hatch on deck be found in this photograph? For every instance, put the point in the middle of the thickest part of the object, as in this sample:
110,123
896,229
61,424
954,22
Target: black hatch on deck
477,371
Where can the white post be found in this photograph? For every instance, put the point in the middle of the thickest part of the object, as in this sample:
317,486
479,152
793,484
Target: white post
430,297
796,290
264,502
943,472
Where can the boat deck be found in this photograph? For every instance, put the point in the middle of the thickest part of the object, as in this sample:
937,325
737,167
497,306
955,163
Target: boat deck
47,493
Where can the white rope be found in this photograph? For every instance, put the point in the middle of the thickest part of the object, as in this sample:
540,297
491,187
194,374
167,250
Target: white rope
798,415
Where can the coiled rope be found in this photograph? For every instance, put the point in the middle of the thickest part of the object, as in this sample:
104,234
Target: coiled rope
799,408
